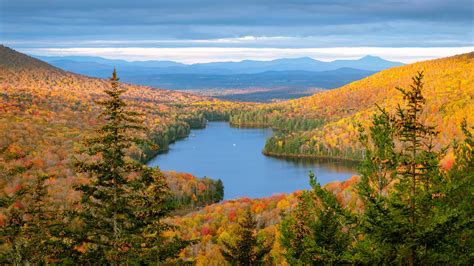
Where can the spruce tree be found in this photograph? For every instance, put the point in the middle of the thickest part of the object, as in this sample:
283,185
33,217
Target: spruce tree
123,202
318,231
219,191
150,204
377,173
246,249
457,197
405,221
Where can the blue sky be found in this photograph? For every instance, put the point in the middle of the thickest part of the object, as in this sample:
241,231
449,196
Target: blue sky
208,30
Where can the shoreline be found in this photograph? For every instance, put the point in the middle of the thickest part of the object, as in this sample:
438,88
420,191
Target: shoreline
308,156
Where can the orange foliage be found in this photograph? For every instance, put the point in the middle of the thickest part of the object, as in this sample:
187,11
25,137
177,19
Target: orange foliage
216,222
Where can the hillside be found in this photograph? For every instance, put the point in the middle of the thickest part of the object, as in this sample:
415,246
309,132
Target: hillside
217,222
449,89
46,112
13,60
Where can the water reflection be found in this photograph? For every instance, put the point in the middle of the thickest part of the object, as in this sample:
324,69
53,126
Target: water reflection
333,165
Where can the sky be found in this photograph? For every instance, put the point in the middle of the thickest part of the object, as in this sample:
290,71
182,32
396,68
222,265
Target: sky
192,31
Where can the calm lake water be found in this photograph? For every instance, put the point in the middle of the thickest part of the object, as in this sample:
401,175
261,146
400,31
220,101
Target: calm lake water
235,156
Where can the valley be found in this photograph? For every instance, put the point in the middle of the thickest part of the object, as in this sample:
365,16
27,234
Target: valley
236,133
47,112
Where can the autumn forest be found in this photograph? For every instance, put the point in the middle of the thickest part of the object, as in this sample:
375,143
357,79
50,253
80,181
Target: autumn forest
75,187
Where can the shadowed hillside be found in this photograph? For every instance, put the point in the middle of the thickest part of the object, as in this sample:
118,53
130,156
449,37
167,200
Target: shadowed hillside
11,59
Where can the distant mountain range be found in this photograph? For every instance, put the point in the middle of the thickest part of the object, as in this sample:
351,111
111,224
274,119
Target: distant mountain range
267,79
370,63
298,73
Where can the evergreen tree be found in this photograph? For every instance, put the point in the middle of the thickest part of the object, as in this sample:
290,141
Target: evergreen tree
377,172
404,220
219,191
458,197
123,200
318,231
150,205
246,249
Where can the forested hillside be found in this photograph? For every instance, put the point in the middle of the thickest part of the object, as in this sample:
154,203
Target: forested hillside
216,223
75,189
326,124
45,113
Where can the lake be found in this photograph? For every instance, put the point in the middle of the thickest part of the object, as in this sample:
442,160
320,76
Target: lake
235,156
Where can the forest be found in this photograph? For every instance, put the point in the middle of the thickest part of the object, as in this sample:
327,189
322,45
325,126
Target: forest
75,189
326,124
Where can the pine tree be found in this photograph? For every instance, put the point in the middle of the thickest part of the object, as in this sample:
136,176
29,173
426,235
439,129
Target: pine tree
219,194
377,172
120,214
318,231
405,221
246,249
150,205
458,197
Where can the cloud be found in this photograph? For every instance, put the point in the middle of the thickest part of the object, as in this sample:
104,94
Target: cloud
214,54
330,22
228,30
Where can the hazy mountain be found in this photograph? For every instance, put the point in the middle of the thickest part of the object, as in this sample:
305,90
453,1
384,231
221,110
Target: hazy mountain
373,63
288,73
370,63
269,79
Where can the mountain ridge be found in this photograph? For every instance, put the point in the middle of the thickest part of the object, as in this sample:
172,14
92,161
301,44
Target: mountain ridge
245,74
371,63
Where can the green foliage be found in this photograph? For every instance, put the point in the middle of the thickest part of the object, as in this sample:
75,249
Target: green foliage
246,249
108,218
378,169
123,202
219,190
458,197
275,118
150,204
406,219
318,231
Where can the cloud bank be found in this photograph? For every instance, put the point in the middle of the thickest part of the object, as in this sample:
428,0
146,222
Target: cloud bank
245,27
213,54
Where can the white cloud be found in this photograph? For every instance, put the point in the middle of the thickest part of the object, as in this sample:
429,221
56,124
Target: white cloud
146,42
217,54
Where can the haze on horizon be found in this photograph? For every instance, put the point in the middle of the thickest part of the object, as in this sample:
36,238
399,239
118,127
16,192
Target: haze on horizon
209,30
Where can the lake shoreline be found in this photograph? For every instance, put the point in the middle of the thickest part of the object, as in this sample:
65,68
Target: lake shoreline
235,156
270,154
308,156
